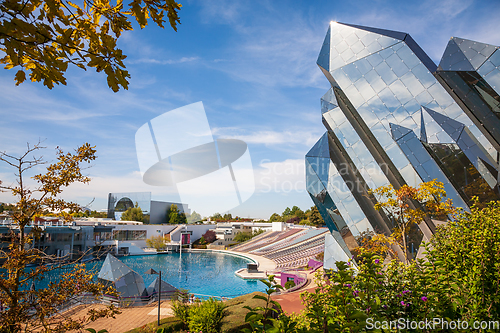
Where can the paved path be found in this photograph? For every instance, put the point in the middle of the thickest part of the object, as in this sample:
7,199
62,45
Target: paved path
128,319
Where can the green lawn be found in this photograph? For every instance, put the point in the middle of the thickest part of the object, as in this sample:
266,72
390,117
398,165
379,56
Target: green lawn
234,321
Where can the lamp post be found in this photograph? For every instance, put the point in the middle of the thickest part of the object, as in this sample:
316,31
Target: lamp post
152,271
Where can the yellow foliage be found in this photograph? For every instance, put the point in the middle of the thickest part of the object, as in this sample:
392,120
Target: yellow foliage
409,206
45,36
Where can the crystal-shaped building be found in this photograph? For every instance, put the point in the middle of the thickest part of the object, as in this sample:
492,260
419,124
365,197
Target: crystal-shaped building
126,281
394,117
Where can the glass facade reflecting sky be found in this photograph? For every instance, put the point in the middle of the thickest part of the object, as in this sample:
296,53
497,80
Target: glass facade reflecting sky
394,117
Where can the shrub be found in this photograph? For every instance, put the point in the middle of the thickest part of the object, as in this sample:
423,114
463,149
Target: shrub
209,236
181,311
207,316
289,284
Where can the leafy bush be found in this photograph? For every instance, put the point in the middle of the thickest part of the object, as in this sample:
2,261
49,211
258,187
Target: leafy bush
209,236
289,284
181,311
207,316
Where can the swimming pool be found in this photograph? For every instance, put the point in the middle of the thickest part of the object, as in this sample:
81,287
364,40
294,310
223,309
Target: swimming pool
205,273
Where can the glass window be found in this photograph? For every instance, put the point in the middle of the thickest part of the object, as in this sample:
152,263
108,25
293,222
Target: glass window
348,56
424,98
351,39
423,75
362,152
366,112
386,73
374,59
341,46
381,134
386,53
495,58
357,47
354,96
397,65
378,107
390,101
413,85
352,72
401,92
486,68
363,66
342,79
412,107
349,133
375,81
493,79
410,176
440,95
397,157
365,89
368,39
409,58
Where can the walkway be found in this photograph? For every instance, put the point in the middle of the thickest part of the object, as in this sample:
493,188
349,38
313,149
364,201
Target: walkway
129,318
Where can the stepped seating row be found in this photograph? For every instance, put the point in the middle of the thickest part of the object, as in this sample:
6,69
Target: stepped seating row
296,251
288,237
299,260
296,248
258,243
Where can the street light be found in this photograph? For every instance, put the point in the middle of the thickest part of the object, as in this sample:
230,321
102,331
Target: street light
152,271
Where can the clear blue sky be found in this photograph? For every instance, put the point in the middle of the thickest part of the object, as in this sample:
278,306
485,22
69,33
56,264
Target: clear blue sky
252,63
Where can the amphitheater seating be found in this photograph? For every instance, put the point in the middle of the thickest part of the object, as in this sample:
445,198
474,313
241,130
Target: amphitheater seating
289,249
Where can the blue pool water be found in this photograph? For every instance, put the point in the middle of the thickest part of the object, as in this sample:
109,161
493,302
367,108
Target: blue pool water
206,273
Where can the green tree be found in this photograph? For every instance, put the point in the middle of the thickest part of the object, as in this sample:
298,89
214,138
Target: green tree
286,213
25,309
315,218
156,242
194,217
242,237
297,212
133,214
216,217
275,218
174,216
228,217
43,37
401,207
463,260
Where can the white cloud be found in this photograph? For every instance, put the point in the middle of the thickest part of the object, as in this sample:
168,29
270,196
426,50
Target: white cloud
269,137
163,62
281,177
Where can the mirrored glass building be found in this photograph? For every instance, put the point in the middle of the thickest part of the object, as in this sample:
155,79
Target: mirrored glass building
394,117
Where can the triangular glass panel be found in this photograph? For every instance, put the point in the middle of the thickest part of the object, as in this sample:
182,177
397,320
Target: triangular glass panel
398,131
328,101
453,59
475,52
423,132
389,33
351,43
452,127
320,148
324,55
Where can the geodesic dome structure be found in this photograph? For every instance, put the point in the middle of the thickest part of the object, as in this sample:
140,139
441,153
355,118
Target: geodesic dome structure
165,287
126,281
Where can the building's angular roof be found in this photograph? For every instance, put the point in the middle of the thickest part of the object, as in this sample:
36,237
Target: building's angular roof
465,55
126,281
165,287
